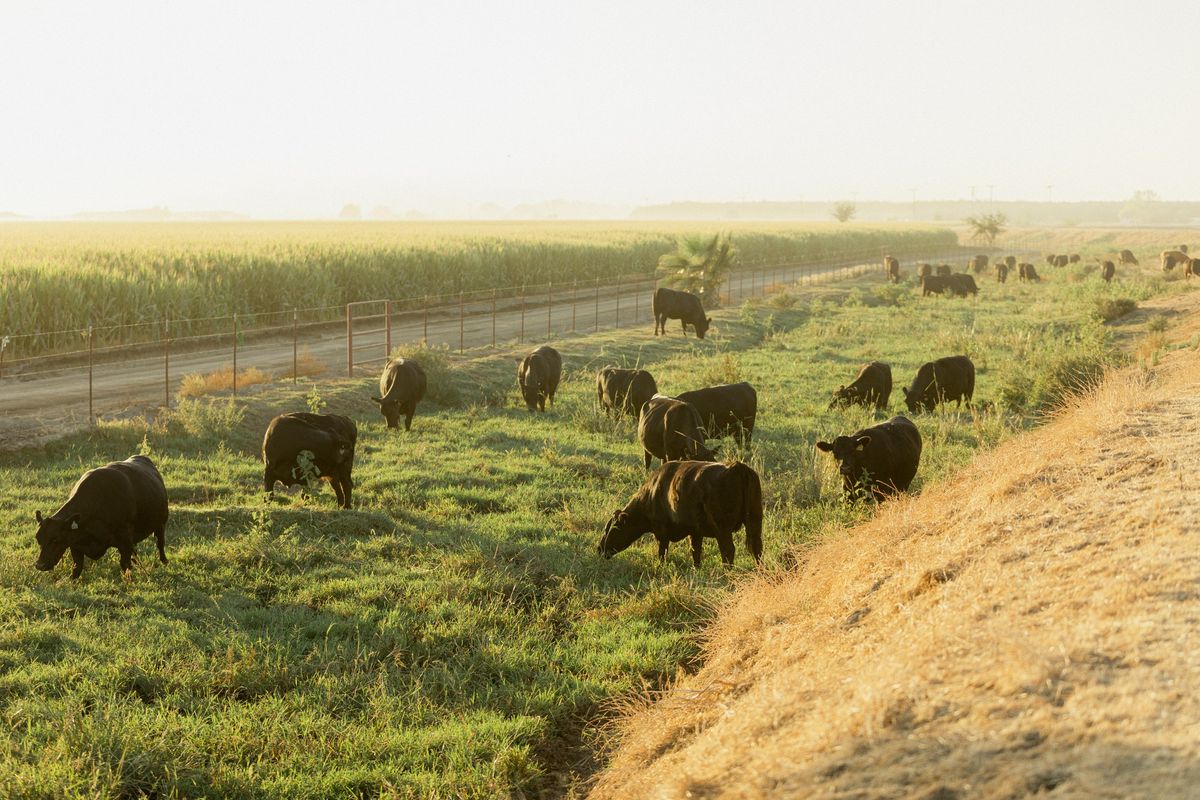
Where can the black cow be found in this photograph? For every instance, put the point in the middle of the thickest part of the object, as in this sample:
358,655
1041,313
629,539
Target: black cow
924,270
1192,269
669,430
117,505
891,266
881,459
1030,273
949,378
1001,272
683,306
1107,270
872,387
691,499
1173,258
1127,257
1074,258
624,390
402,385
1182,248
934,284
538,377
945,270
1050,259
978,264
1061,261
961,284
724,410
327,442
1010,262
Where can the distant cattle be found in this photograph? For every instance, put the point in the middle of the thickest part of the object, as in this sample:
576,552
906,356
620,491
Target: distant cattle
948,379
924,270
1172,258
1192,269
1107,270
538,377
670,430
1061,261
691,500
1001,272
1074,258
624,390
1127,257
945,270
978,264
1050,259
683,306
891,266
934,284
728,409
1010,262
401,386
1029,273
881,459
1182,248
872,387
961,284
117,505
300,447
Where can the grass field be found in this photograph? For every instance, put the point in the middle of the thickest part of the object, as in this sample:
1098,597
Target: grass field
455,634
65,276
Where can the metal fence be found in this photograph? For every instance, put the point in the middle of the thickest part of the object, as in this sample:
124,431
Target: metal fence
112,369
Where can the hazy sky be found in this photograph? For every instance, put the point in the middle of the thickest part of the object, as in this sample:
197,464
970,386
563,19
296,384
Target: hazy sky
294,108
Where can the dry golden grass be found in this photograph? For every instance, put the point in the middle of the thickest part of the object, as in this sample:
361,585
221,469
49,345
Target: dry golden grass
308,365
1028,626
198,385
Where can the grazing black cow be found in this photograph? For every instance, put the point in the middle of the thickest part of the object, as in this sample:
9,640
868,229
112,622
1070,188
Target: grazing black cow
934,284
961,284
691,500
949,378
872,387
1010,262
301,446
924,270
978,264
670,430
401,386
1029,273
1127,257
881,459
624,390
538,377
945,270
1061,260
1173,258
1192,269
728,409
683,306
1074,258
1107,270
891,266
1182,248
117,505
1001,272
1050,259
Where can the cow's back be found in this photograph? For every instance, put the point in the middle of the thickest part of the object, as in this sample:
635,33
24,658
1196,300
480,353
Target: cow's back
955,375
403,381
722,408
894,452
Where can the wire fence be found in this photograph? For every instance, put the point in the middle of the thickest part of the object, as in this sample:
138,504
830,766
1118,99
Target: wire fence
106,369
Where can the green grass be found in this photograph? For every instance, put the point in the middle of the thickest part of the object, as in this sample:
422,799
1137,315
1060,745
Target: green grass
450,634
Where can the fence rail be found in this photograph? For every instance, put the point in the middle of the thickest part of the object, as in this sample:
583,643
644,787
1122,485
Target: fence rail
131,364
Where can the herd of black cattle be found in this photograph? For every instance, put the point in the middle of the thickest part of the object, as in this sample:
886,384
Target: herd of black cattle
690,495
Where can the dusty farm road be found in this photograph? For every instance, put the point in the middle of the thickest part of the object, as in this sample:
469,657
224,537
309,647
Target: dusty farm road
34,409
1030,626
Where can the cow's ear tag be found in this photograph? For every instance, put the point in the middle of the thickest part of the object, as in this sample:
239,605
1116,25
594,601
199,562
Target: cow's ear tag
74,525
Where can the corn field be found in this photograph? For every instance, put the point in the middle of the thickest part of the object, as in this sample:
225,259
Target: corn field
65,276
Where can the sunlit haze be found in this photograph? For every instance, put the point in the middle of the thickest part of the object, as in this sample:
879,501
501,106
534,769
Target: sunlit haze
280,109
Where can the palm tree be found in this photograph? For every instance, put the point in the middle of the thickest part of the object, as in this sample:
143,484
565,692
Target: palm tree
699,265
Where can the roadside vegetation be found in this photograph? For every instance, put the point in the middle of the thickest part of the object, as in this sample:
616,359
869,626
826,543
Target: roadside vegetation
456,634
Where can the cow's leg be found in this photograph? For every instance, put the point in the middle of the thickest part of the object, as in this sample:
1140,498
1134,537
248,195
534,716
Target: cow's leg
408,420
648,456
77,557
268,479
161,540
682,326
347,487
697,549
663,544
124,543
725,544
336,483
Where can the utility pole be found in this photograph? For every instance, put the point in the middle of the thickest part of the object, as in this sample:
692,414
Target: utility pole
972,194
914,204
1049,193
991,200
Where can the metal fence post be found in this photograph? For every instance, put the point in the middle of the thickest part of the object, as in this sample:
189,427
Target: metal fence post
425,330
387,328
3,346
549,305
597,323
235,335
493,319
618,301
636,301
91,411
460,322
349,340
574,304
521,335
295,345
167,362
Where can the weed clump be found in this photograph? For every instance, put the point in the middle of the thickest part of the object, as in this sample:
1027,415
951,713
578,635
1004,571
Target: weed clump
1110,308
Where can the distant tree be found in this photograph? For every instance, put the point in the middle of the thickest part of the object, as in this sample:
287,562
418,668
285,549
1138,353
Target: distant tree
350,211
987,227
700,265
844,211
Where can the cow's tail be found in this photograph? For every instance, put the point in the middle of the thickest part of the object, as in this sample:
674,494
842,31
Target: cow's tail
752,507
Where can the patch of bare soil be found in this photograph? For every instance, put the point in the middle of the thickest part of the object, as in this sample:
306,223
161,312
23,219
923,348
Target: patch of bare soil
1030,627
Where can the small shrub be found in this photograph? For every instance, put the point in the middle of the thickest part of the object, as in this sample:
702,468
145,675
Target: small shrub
746,314
314,401
782,300
1157,323
1110,308
854,298
211,416
441,377
198,384
719,369
892,294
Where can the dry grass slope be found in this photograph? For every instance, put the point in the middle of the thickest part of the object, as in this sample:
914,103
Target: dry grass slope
1030,626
